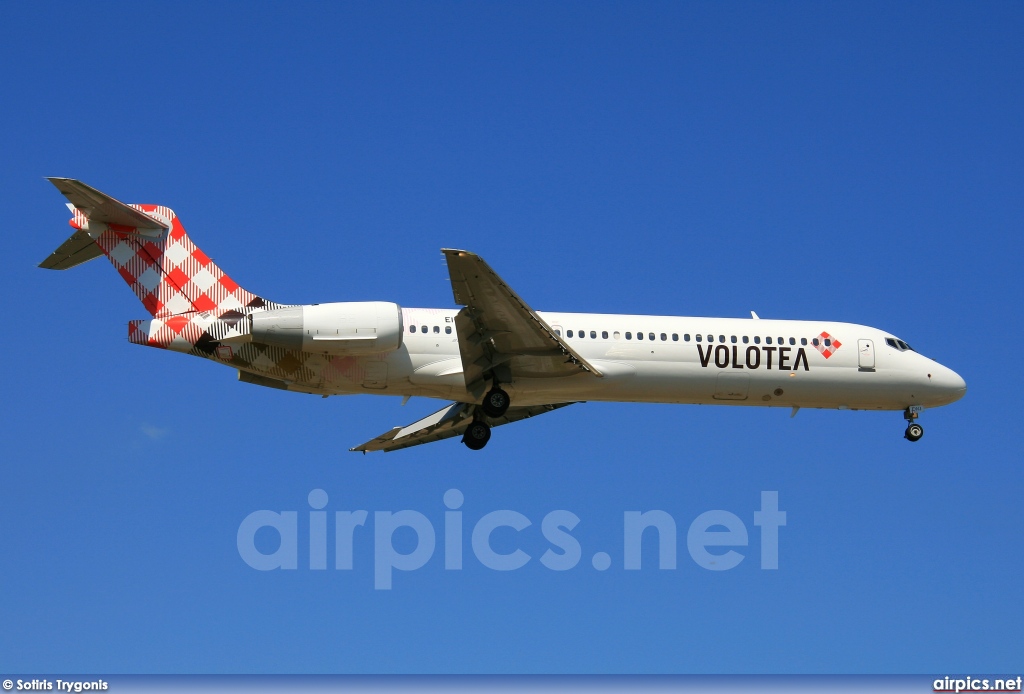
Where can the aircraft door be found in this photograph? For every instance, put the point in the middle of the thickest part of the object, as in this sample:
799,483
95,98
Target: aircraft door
866,354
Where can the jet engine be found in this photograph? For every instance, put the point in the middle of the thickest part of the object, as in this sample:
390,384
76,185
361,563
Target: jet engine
340,328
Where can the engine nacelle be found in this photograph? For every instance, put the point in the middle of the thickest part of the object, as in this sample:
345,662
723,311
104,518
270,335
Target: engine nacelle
341,328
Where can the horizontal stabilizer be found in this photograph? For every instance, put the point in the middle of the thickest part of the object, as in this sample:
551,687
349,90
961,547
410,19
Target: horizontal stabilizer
78,249
100,207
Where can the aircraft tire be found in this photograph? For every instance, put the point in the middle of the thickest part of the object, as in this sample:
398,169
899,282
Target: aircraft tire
477,435
496,403
914,432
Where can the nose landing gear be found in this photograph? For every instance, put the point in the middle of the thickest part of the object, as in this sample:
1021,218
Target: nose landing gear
914,430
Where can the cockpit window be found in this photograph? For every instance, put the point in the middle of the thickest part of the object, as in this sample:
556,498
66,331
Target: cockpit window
898,344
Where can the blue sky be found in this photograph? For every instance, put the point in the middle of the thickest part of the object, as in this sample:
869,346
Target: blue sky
857,162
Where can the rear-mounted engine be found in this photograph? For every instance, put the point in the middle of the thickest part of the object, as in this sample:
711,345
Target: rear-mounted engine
342,328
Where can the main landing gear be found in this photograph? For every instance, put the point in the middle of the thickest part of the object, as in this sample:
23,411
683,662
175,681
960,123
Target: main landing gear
495,404
477,435
914,430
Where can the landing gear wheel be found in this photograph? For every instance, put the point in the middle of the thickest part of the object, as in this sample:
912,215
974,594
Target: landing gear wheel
476,436
496,402
914,432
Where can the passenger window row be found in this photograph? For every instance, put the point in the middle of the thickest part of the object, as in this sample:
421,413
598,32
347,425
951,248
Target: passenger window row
664,337
437,330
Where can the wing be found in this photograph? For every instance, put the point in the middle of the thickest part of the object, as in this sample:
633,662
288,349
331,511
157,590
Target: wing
446,423
498,332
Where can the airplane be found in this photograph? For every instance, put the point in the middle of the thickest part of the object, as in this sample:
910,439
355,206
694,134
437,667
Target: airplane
496,359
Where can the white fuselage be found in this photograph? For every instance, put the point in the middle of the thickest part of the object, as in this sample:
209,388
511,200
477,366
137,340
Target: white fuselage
725,361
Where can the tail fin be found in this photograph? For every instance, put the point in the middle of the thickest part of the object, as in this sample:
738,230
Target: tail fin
151,251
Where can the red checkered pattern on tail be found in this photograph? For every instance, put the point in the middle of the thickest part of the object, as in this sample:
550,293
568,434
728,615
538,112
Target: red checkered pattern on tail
169,273
79,220
179,332
830,349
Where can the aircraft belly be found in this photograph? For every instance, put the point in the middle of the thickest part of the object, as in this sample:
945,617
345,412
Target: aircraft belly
690,383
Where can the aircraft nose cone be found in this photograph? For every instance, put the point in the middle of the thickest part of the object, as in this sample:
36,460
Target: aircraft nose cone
949,384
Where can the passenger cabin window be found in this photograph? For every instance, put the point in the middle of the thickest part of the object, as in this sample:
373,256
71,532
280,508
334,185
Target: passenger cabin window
746,339
629,336
803,341
792,340
412,329
711,338
616,335
732,339
569,333
558,332
828,342
639,336
815,342
767,340
447,330
721,338
423,328
593,334
699,338
650,336
686,337
757,339
675,337
437,329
